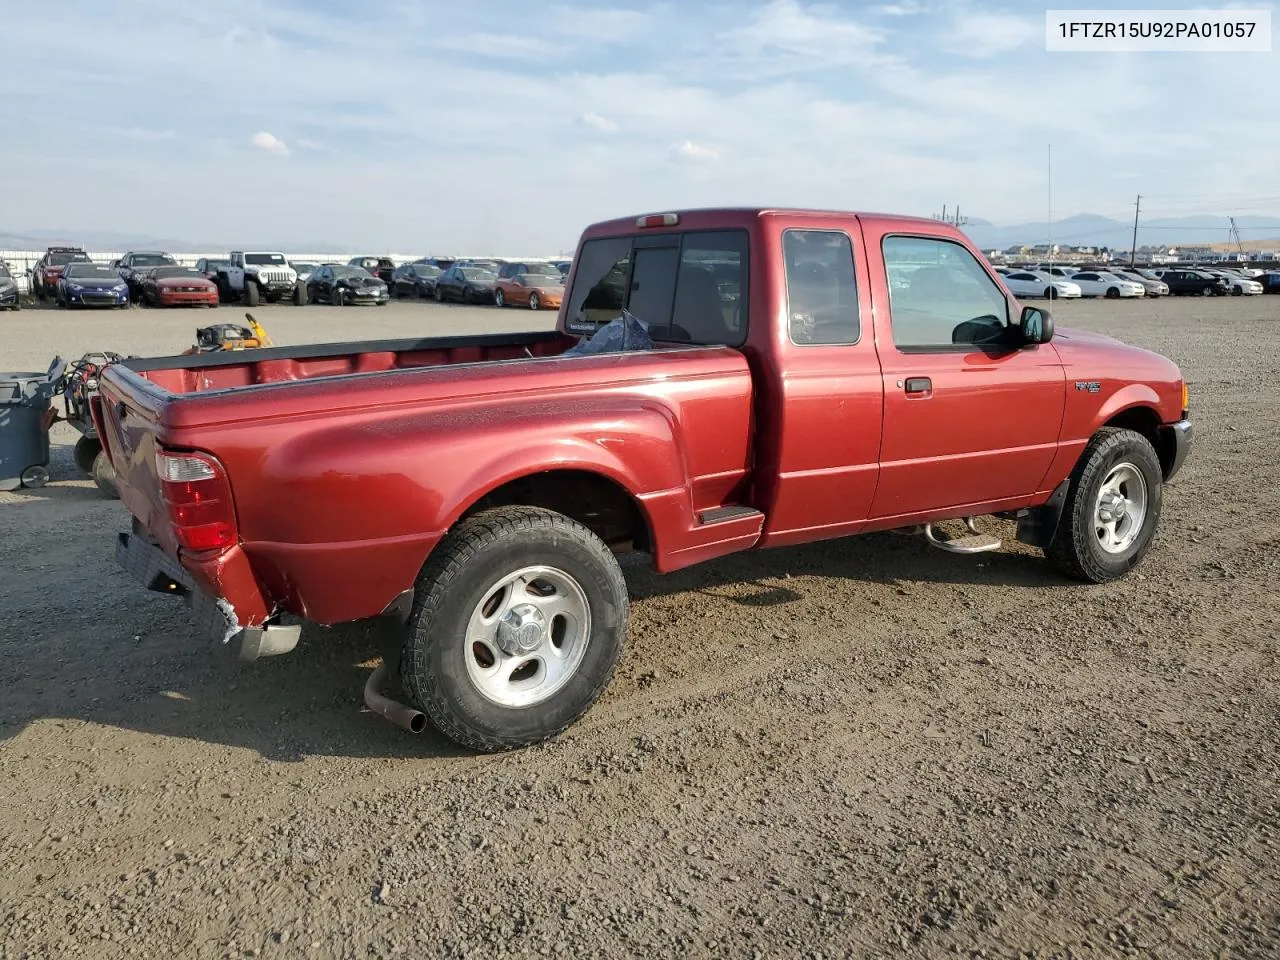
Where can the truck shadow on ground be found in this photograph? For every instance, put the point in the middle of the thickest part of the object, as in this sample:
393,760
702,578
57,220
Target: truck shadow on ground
143,672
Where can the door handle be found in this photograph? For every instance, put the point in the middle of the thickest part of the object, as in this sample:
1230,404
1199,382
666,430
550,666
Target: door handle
919,386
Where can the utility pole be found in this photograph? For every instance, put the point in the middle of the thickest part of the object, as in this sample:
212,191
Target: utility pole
1235,235
954,219
1133,250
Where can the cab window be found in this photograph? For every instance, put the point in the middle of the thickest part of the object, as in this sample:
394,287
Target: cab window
940,297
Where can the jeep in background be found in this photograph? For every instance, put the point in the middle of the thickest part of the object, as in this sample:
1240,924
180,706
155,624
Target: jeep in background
47,270
255,277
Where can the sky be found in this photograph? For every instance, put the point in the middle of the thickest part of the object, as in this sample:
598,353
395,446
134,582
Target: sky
508,126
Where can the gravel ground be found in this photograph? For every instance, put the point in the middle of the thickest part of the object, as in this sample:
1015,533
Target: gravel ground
858,748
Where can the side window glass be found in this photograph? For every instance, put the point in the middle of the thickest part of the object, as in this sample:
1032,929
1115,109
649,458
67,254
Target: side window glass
711,289
600,286
939,295
822,294
653,286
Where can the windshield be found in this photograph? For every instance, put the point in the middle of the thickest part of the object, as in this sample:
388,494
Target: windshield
303,267
165,273
212,265
544,270
426,270
265,259
62,259
350,273
477,275
81,271
151,259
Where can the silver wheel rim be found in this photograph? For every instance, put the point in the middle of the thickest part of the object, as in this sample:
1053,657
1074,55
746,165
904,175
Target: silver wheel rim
527,636
1121,508
497,297
534,301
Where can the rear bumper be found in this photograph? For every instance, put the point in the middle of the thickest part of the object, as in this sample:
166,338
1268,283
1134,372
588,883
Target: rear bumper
214,618
1179,435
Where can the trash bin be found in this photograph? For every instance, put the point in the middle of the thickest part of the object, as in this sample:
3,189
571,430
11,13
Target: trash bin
24,438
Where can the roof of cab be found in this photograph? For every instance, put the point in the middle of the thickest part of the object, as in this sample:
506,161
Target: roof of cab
704,217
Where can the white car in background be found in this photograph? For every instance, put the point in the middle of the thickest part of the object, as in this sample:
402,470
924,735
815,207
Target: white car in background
1032,283
1238,285
1099,283
1154,286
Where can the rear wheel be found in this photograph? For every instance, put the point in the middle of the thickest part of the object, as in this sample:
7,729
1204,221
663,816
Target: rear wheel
518,623
338,298
1113,506
499,298
439,295
300,294
85,452
104,475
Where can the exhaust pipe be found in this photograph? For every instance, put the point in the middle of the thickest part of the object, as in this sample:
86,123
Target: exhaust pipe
401,714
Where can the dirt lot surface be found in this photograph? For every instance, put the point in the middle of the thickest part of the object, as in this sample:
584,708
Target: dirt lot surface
859,748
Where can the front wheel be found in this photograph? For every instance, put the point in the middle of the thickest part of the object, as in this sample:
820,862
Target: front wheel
1050,293
252,295
535,301
1113,293
1207,292
518,622
439,295
1113,506
299,295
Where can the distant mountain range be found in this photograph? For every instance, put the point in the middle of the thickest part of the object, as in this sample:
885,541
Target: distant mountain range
1088,229
110,240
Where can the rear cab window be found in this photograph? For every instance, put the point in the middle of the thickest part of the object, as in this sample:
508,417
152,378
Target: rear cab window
687,287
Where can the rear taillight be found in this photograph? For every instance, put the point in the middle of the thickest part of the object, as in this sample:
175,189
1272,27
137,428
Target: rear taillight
198,497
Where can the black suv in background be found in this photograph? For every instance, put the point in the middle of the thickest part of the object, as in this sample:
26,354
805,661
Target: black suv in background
380,267
1184,282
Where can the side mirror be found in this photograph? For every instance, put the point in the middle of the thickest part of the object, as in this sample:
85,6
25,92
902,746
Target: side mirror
1037,325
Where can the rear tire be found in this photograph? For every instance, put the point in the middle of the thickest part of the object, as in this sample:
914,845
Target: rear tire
299,295
338,298
1077,549
104,475
499,298
474,574
85,452
252,295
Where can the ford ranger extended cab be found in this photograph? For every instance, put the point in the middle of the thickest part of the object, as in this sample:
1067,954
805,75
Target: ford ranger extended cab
804,375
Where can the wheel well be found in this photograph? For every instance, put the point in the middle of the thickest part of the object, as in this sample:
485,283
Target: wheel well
602,506
1146,421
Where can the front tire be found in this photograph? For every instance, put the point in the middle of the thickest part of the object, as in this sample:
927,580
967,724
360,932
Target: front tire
518,622
439,295
1207,292
1113,293
535,301
1112,509
338,298
1050,293
299,295
252,295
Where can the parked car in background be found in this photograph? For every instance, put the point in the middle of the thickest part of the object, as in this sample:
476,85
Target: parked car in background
1270,281
9,294
491,265
91,285
135,263
1098,283
466,285
415,280
1056,270
303,269
47,270
209,267
563,266
1032,283
178,287
532,285
444,263
380,267
1153,286
342,284
1194,282
257,276
1237,285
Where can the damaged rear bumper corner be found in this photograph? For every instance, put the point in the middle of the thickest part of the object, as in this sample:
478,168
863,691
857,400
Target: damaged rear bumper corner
214,618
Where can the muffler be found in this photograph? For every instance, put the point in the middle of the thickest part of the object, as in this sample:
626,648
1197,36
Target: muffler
401,714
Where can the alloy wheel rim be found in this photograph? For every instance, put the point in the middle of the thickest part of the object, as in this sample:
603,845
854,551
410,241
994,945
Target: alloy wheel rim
527,636
1120,509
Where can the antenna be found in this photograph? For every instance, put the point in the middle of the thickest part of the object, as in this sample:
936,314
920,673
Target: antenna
1051,209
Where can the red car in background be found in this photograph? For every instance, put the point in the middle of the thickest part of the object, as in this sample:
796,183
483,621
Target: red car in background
178,287
45,274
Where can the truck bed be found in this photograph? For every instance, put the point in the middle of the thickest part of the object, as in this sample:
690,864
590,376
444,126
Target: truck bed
348,462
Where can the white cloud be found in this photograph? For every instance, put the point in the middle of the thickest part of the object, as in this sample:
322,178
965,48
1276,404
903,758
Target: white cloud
270,143
603,124
981,33
697,152
908,8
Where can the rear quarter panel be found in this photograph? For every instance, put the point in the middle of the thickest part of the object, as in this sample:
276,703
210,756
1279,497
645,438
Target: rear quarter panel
343,486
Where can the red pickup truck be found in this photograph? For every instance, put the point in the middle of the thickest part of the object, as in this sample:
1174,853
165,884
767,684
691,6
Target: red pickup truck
805,375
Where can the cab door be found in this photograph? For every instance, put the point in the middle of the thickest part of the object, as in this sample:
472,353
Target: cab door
972,416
